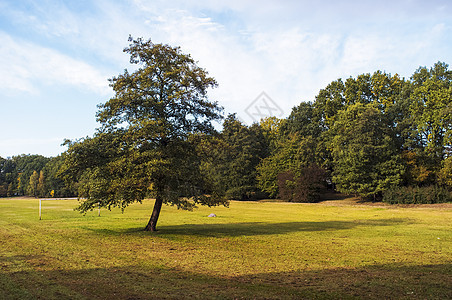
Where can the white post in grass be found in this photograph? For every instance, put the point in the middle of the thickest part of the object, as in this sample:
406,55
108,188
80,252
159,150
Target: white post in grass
39,209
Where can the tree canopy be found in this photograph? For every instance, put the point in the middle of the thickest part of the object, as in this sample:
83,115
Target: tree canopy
146,145
232,166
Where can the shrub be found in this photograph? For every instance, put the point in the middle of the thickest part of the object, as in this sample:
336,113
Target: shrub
3,190
286,186
307,187
417,195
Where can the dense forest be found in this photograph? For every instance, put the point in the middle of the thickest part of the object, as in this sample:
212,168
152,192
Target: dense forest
377,136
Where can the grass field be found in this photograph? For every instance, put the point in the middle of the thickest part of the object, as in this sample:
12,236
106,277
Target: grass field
252,250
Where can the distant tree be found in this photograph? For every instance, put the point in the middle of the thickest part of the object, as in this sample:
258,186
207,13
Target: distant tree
41,187
294,145
330,101
7,177
304,120
286,183
145,146
365,156
3,190
33,184
24,166
53,182
271,129
233,167
2,163
311,184
308,186
445,174
431,108
293,154
3,182
418,168
10,173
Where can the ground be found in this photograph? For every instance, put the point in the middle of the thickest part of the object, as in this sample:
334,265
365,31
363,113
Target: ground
340,248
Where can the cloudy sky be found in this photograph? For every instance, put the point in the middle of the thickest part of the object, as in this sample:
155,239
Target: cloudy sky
56,56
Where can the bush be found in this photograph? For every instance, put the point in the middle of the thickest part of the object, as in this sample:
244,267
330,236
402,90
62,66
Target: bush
3,190
307,187
286,186
417,195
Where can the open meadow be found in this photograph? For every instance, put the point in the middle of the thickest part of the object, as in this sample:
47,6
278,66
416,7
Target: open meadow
251,250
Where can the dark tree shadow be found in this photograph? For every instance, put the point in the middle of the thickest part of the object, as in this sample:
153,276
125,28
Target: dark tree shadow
264,228
251,228
392,281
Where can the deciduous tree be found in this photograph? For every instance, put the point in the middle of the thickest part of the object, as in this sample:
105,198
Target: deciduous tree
33,184
233,165
145,146
292,155
366,159
41,187
431,107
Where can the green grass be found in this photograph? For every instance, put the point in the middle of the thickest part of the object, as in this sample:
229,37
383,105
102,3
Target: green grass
252,250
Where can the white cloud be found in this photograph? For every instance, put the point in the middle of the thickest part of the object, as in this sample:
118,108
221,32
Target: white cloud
236,69
26,66
288,49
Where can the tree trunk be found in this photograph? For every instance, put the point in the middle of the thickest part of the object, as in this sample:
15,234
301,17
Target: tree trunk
155,215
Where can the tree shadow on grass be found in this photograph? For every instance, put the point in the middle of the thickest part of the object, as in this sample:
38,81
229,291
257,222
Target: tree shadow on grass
263,228
392,281
253,228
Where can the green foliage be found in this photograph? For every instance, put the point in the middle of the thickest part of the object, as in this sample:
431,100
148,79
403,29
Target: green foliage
365,157
15,173
8,178
267,175
41,187
232,163
144,147
445,174
271,129
330,101
370,133
418,168
33,184
53,182
297,146
417,195
304,120
308,186
293,153
17,177
3,182
431,107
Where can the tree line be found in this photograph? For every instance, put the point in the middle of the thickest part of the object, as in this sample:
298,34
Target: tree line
362,136
377,136
33,175
367,135
370,136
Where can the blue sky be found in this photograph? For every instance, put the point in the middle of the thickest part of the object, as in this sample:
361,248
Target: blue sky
56,56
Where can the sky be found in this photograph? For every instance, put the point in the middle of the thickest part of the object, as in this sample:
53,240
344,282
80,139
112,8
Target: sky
267,56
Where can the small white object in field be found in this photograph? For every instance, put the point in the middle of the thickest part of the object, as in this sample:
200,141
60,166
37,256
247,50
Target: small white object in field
212,216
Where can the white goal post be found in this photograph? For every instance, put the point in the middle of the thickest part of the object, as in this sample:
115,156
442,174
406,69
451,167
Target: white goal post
56,199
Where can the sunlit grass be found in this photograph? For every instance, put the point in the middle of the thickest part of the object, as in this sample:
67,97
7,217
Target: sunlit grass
250,250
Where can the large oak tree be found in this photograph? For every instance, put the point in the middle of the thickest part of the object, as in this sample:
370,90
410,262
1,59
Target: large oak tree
146,145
